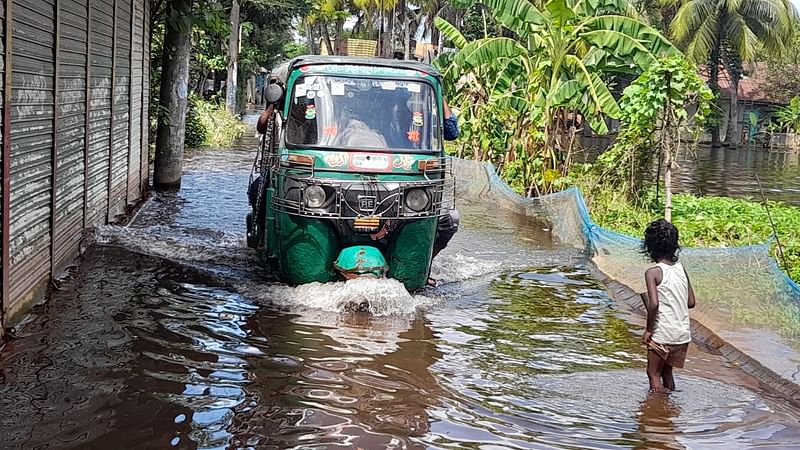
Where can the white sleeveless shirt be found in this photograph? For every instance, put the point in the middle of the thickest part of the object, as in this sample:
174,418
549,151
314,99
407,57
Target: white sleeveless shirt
672,323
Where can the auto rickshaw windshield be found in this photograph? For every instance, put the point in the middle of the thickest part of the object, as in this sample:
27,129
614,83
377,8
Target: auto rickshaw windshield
358,113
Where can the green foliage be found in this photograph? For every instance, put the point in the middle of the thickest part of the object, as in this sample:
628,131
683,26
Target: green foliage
196,133
745,27
209,124
293,49
782,79
543,84
660,98
788,117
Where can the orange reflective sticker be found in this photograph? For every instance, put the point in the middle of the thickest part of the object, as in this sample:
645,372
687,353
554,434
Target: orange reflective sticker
413,136
330,131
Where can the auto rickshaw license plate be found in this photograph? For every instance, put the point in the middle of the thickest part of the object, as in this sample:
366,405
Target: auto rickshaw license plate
369,161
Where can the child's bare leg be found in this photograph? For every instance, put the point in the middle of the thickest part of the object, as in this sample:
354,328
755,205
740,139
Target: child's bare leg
654,366
666,377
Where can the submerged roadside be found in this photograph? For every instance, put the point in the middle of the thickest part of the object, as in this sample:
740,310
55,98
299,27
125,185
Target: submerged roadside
746,304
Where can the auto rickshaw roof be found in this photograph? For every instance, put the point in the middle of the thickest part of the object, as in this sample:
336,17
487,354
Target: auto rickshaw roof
282,72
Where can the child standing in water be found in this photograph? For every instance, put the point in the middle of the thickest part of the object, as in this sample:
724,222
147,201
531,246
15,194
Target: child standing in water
670,298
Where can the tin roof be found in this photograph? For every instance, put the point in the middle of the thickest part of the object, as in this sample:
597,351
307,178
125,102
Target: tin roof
752,85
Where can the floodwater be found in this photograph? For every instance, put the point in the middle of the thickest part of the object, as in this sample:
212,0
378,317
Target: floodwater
168,336
722,171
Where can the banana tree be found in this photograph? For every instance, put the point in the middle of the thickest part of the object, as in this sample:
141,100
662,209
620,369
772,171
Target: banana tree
555,72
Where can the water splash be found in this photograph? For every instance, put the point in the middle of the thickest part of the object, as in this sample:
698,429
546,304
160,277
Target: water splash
180,244
379,297
451,268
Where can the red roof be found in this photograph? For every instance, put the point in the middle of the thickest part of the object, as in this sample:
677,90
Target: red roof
752,86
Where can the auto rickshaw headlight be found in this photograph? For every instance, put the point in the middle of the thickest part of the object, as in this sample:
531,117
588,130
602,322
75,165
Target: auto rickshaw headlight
417,199
314,196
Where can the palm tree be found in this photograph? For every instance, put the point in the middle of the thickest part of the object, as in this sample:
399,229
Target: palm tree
731,33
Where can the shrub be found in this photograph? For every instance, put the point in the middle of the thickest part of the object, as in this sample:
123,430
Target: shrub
196,133
209,124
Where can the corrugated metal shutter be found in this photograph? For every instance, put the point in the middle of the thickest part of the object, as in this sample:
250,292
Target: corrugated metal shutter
3,156
31,143
135,127
100,94
146,96
121,118
71,137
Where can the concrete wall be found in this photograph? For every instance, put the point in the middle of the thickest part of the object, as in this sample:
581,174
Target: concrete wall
74,146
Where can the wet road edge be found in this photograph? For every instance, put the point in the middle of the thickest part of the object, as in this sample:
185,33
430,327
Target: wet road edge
703,335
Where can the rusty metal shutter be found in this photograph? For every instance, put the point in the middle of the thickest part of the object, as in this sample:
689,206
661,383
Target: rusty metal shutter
31,143
146,96
135,126
101,38
71,139
120,141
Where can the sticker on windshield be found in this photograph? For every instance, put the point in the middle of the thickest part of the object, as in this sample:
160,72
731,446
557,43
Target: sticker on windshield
369,161
311,112
311,94
300,90
414,87
388,86
418,119
413,136
337,88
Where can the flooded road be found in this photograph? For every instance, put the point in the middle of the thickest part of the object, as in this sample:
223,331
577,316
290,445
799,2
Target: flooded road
169,336
722,171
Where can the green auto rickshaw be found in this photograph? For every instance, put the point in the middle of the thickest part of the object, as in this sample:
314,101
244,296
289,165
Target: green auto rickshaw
351,178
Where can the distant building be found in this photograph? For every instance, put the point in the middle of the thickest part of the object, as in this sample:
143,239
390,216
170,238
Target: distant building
754,101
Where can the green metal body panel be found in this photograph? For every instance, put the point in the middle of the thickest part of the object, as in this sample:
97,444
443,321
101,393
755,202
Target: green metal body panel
410,251
307,249
361,260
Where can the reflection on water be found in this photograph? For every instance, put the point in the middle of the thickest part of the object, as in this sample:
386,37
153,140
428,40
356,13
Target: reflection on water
656,417
171,337
721,171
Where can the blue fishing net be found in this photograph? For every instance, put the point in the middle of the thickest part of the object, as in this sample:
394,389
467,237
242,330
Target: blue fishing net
738,288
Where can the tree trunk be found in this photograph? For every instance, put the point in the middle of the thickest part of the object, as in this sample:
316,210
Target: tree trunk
668,193
233,59
173,95
311,42
732,133
326,38
338,40
359,24
407,37
713,84
389,40
381,32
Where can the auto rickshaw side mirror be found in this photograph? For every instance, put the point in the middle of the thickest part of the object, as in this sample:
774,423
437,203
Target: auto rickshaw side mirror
274,93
